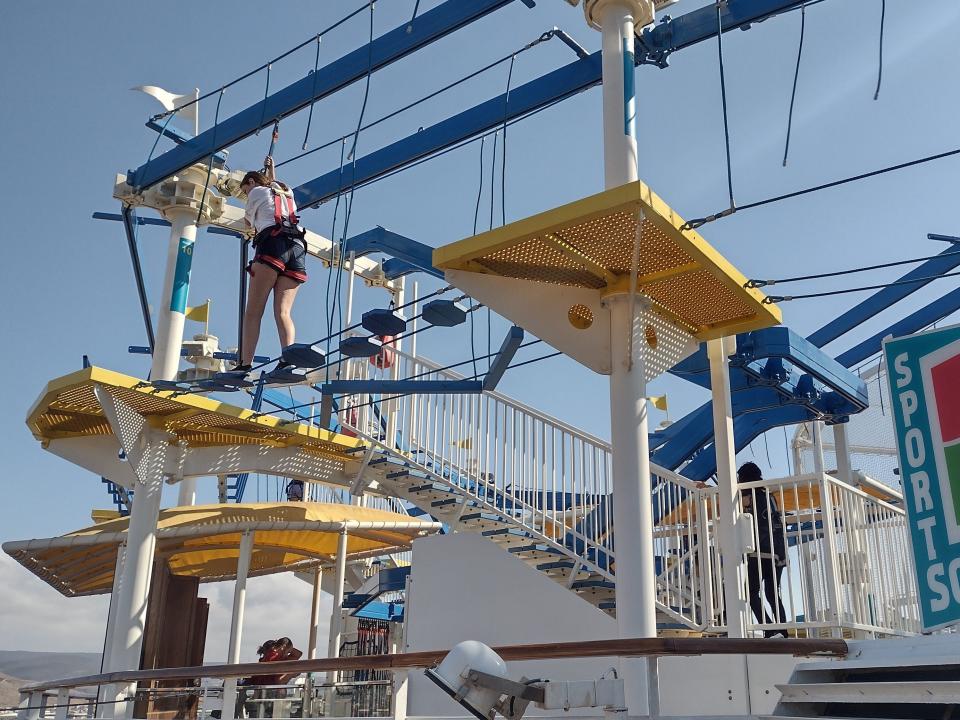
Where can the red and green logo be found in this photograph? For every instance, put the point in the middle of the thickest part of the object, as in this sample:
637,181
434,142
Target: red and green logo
944,378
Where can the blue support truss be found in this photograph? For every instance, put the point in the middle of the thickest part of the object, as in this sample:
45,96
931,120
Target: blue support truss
389,47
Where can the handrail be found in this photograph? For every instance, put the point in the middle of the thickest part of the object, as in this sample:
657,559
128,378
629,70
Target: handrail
629,647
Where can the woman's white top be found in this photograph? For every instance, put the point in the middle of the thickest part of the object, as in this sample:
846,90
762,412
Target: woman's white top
260,211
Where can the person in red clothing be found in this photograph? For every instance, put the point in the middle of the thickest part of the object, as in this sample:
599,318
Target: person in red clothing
271,651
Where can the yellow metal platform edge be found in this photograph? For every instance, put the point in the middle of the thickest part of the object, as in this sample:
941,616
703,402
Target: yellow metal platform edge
460,255
100,376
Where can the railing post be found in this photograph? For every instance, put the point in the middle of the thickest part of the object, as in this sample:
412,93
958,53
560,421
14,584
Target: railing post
735,601
63,700
829,528
31,704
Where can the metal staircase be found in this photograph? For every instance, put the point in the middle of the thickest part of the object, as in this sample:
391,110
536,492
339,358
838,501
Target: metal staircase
539,488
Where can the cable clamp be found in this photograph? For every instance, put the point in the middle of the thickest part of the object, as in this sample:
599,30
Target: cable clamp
750,284
771,299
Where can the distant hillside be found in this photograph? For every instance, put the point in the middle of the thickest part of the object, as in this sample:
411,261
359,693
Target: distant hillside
9,690
37,666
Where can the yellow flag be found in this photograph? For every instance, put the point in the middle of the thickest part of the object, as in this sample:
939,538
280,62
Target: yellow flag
200,313
466,444
659,402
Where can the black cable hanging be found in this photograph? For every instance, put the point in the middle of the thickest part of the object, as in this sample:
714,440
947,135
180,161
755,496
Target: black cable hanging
542,38
699,222
796,76
206,184
476,210
770,299
818,276
266,94
723,100
883,15
313,94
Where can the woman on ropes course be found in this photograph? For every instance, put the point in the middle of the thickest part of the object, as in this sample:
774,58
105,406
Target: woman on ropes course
278,263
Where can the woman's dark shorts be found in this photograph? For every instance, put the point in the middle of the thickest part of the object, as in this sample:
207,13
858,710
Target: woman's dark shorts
281,252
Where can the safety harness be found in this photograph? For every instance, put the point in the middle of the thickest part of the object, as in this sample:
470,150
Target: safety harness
288,223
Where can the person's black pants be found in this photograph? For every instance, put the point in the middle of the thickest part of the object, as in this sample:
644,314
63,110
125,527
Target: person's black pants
771,574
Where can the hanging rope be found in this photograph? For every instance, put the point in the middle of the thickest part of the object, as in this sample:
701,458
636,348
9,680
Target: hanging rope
352,156
416,7
796,76
476,210
503,161
206,183
818,276
313,94
770,299
493,175
723,102
266,94
545,36
883,14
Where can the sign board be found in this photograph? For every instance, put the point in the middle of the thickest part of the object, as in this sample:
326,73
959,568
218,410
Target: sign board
923,372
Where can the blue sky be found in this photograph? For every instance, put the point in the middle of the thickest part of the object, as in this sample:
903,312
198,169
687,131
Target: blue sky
69,123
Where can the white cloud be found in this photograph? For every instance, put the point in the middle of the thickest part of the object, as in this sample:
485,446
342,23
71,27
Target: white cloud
34,616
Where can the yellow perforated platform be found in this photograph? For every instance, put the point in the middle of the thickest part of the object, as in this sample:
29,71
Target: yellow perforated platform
589,244
69,408
203,541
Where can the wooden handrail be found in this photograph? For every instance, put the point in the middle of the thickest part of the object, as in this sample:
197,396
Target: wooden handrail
653,647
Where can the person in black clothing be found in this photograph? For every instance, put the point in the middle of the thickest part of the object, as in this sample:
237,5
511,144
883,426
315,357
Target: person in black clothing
766,564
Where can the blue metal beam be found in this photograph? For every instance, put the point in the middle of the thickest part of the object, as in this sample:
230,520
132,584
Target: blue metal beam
925,316
399,387
379,239
557,85
130,218
137,220
882,299
179,137
387,48
656,43
502,361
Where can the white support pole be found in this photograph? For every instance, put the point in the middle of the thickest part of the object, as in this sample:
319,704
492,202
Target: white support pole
187,492
734,598
236,623
841,448
171,311
131,614
619,102
630,454
336,616
314,614
103,690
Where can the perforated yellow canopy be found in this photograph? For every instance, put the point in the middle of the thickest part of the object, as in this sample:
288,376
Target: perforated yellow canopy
204,541
590,243
69,408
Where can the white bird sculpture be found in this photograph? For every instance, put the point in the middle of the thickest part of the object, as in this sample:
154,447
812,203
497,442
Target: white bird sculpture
171,101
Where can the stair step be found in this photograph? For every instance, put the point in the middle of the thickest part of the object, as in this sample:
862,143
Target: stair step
937,692
535,553
486,521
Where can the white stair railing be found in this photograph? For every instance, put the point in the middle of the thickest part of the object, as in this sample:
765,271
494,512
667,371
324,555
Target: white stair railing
549,478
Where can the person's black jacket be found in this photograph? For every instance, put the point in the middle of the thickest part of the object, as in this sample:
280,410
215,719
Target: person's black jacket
770,535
